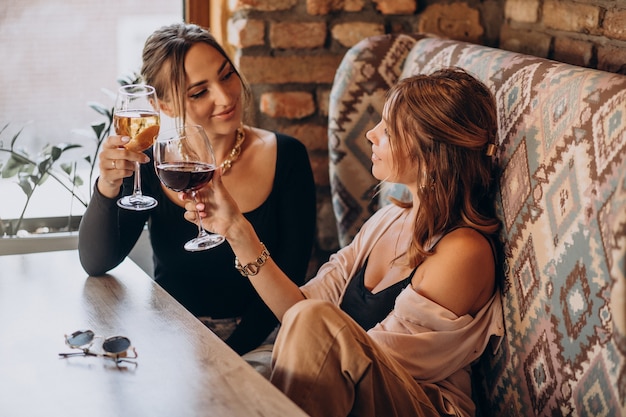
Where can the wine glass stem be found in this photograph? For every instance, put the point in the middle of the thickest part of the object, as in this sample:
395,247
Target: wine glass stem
137,182
201,231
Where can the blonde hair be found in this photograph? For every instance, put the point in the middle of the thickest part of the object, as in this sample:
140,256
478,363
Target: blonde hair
445,123
163,63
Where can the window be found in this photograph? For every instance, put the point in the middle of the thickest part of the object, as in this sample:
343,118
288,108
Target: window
57,56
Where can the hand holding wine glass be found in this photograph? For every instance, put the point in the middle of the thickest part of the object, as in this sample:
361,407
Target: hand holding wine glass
136,115
184,161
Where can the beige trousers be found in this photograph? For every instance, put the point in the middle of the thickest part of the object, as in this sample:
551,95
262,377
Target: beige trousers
328,365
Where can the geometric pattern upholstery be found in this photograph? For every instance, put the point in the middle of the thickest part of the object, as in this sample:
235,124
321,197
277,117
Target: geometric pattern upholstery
561,199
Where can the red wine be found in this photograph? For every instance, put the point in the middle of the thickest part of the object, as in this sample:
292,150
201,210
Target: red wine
185,176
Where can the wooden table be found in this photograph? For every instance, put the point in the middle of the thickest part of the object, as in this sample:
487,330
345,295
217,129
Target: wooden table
183,369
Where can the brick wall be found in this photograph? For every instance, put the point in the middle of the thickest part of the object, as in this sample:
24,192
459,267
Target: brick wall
581,32
289,51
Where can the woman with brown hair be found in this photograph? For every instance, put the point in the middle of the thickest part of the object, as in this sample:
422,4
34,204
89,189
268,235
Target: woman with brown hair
268,174
392,322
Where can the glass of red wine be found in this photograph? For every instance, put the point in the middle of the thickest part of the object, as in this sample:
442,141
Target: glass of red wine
184,161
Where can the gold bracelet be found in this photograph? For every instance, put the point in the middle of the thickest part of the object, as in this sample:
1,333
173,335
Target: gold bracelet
253,268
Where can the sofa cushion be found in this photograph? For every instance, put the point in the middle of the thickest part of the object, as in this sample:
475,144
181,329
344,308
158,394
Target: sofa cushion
562,202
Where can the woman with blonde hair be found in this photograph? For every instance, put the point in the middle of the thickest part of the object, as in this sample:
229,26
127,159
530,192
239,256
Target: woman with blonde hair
267,173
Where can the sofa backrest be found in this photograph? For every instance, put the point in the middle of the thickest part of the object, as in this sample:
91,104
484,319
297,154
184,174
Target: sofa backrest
562,202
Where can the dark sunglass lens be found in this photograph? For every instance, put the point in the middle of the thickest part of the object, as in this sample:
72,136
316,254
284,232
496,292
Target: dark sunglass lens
80,338
116,344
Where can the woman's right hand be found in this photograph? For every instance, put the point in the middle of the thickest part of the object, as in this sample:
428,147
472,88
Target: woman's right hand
215,206
116,163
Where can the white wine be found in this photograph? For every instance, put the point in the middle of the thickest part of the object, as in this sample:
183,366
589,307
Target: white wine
135,116
141,126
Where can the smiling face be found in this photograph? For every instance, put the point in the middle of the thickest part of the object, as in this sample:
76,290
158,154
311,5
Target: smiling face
213,94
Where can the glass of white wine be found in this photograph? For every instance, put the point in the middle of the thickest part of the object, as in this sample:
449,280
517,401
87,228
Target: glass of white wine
136,115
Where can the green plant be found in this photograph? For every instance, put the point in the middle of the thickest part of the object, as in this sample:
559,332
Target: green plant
31,170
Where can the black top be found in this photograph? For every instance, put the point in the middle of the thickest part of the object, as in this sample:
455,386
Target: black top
367,308
206,282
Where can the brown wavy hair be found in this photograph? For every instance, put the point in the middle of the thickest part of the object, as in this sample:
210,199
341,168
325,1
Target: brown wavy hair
164,63
445,122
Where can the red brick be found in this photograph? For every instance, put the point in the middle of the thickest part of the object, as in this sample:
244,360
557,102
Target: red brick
264,5
573,51
398,7
525,41
615,24
297,35
456,21
290,69
324,7
571,17
612,59
290,105
350,33
243,33
525,11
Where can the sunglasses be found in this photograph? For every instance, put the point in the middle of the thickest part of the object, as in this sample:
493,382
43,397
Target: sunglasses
116,347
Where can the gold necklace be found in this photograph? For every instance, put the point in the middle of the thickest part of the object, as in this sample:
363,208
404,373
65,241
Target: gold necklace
234,153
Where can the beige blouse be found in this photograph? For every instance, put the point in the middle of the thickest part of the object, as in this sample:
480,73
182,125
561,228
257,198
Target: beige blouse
435,345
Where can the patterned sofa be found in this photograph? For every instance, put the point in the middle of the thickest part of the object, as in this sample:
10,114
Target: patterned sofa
562,201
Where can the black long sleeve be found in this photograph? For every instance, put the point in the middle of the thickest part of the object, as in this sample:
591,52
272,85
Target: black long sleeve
106,236
206,282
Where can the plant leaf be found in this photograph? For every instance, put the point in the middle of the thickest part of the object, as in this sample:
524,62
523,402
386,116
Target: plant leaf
67,168
25,184
15,137
55,153
100,108
14,165
68,146
45,164
98,129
